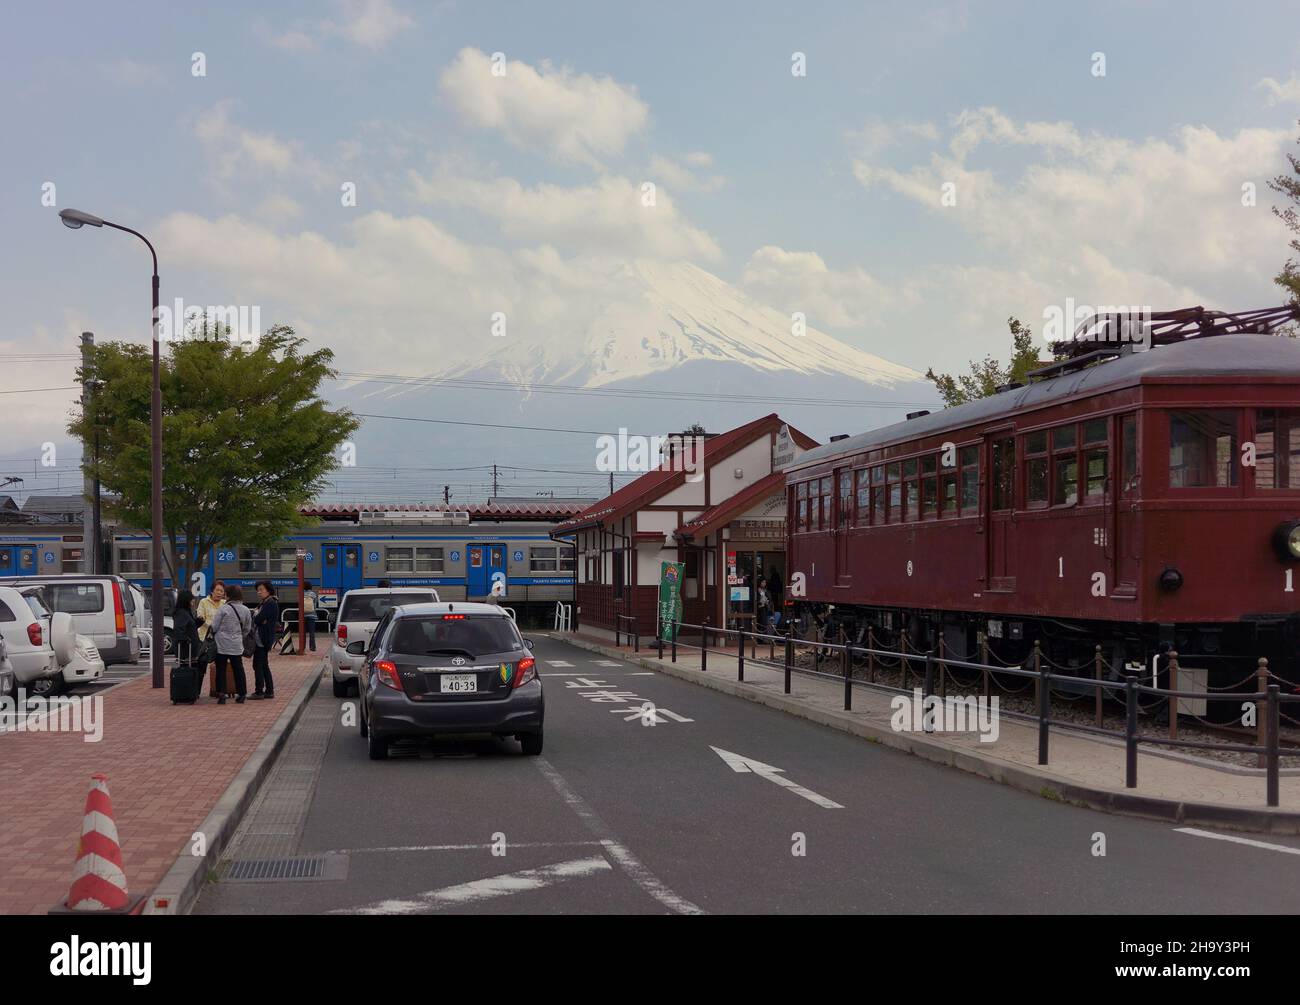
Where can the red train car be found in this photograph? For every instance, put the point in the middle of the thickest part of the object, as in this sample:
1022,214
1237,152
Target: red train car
1142,501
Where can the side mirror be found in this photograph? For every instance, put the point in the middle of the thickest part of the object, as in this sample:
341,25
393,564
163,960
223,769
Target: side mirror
529,644
356,649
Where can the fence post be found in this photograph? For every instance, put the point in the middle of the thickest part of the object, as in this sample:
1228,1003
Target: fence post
674,627
1173,686
659,637
789,654
740,650
636,636
1096,672
704,646
1274,723
1261,728
871,653
846,664
943,666
1044,711
1131,732
984,658
927,685
1038,669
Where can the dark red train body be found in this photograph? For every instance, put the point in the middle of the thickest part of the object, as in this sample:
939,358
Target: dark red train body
1142,501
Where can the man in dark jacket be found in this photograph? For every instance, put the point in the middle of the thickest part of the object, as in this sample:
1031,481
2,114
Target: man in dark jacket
265,621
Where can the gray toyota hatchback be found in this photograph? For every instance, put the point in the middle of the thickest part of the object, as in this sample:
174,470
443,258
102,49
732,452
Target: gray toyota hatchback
448,668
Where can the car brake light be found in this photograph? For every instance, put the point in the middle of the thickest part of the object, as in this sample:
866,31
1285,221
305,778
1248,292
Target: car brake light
387,671
453,617
119,612
34,633
343,634
525,670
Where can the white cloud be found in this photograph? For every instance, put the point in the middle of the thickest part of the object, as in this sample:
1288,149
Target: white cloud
684,177
800,281
232,150
607,216
1284,92
572,117
371,24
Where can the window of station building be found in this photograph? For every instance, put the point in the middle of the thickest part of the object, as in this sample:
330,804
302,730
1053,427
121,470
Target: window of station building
1096,456
1277,448
1065,465
879,509
846,499
71,559
801,502
1036,468
863,476
1004,473
132,560
413,559
970,479
1203,449
893,476
929,487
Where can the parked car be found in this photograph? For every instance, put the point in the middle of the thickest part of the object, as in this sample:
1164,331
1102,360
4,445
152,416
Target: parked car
103,607
359,612
85,664
432,669
7,680
38,640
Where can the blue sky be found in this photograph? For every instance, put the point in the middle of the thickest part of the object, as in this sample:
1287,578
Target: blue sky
817,193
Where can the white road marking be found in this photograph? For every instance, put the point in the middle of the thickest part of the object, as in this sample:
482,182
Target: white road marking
628,862
742,764
605,663
1238,840
485,846
558,663
641,673
478,890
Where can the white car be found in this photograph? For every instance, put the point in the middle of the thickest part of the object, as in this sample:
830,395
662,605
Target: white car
85,664
359,612
38,641
102,607
7,684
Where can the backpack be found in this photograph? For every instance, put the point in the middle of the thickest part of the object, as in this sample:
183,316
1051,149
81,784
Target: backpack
308,604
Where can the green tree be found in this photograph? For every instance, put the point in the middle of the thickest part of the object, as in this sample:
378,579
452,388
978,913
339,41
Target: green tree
1289,186
247,439
987,375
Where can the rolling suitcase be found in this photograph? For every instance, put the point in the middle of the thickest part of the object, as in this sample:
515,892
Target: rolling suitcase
186,681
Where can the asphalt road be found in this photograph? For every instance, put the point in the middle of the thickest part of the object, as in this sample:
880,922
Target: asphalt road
633,811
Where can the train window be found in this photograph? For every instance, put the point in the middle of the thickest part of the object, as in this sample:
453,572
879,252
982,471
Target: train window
909,468
133,561
568,561
268,559
1065,467
878,511
878,475
428,560
948,496
913,503
543,558
1036,465
1277,448
331,556
1094,431
399,559
929,496
929,465
801,490
1203,449
802,520
1094,472
1129,450
846,498
893,471
283,560
1004,473
864,496
252,559
970,479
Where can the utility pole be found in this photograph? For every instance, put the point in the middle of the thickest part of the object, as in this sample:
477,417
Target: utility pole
446,495
494,480
89,558
611,483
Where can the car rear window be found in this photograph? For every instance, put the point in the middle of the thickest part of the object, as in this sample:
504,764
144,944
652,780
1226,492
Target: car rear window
76,598
5,613
373,606
437,635
34,602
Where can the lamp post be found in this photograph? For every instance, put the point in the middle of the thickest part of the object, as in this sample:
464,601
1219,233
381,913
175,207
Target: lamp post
75,219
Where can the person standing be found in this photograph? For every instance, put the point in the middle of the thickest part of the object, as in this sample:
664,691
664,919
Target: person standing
230,626
310,605
207,614
265,622
185,628
775,592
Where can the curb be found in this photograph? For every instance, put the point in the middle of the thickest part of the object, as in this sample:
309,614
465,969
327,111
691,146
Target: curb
1037,781
178,890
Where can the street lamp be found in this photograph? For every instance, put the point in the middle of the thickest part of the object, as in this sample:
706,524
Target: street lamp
75,219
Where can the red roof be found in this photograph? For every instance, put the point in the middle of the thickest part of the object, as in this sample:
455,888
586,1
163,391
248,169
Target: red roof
711,519
664,478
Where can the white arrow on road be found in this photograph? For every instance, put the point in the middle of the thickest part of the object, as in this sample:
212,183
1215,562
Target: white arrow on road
739,763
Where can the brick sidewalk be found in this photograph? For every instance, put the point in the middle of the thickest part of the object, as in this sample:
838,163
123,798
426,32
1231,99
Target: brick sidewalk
166,765
1081,767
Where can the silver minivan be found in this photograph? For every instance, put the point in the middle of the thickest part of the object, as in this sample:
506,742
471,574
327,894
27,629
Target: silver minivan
103,608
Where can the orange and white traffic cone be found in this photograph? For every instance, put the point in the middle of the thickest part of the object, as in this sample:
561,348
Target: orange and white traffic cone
98,880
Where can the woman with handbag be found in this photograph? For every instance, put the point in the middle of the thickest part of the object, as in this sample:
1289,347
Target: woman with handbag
208,608
233,628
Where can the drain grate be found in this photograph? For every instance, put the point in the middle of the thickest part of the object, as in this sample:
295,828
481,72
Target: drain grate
279,870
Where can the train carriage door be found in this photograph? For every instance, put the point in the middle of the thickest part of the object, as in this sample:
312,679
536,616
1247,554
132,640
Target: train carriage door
1000,514
341,570
843,515
484,563
18,560
1127,486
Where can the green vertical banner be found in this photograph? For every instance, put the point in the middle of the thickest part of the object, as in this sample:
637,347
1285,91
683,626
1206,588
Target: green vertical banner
670,597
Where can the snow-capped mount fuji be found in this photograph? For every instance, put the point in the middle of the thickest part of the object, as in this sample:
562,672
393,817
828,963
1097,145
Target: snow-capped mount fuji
658,317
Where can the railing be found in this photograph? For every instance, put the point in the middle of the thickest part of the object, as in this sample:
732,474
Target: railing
563,617
619,631
937,667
